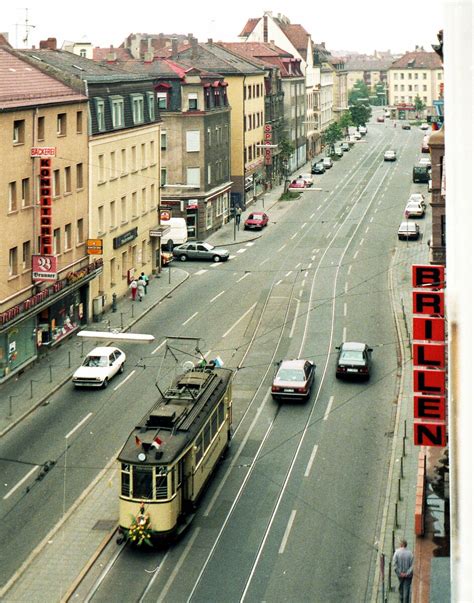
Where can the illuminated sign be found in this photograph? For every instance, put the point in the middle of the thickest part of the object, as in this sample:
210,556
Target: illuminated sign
43,152
44,268
46,207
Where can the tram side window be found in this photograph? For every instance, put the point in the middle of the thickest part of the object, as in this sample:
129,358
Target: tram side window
125,487
142,486
161,483
220,413
214,424
198,448
206,436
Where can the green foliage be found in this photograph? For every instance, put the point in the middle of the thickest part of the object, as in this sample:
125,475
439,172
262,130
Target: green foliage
359,93
140,530
345,121
289,196
419,104
380,95
360,114
286,149
331,135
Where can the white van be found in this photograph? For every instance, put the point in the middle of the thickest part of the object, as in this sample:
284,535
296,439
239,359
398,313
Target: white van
176,235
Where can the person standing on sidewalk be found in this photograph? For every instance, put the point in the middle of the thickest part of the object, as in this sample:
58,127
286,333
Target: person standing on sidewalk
144,278
403,560
133,288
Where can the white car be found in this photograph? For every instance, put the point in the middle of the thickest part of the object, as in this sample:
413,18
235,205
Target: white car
418,197
425,161
430,185
363,130
308,178
327,162
390,156
99,366
414,209
357,135
424,127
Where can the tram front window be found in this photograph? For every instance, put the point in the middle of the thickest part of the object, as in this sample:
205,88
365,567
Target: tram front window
142,482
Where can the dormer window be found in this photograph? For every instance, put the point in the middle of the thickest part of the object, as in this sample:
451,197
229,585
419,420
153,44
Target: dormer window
138,105
192,101
162,98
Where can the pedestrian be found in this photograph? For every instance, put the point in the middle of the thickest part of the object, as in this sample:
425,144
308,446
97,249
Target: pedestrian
140,288
133,288
238,213
403,560
144,277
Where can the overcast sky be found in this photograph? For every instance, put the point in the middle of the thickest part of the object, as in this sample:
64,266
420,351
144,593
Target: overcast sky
363,25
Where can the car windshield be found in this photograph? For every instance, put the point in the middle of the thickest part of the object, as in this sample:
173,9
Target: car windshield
95,361
351,355
207,246
289,374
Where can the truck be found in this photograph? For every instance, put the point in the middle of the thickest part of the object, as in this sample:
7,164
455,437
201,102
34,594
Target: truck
177,234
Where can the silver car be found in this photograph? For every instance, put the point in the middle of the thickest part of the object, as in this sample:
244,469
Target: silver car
200,251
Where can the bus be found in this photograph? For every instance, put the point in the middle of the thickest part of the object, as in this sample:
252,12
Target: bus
421,173
171,454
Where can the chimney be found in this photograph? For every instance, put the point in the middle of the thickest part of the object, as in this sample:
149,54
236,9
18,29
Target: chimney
49,44
265,28
190,37
209,41
174,45
194,46
111,55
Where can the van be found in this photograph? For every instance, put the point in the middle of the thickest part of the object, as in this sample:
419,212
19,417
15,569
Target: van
176,235
421,173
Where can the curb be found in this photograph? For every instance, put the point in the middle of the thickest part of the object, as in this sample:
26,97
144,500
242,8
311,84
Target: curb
61,384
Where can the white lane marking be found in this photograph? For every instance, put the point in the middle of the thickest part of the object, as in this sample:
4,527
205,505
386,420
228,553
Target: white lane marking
346,287
328,408
350,269
295,318
367,229
328,235
22,481
216,264
88,416
176,568
293,236
219,294
301,293
306,274
311,461
371,219
264,261
243,250
344,334
281,248
356,254
303,282
303,225
237,321
310,265
124,380
287,532
288,273
249,244
244,276
313,257
319,207
298,265
311,216
361,241
231,257
345,309
278,283
160,346
190,318
202,271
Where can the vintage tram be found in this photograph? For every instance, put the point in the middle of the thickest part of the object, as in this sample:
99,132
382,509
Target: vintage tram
170,455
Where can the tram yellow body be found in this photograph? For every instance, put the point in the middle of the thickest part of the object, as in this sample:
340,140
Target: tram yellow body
170,455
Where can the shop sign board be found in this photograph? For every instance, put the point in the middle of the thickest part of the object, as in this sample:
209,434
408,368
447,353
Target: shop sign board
95,246
43,152
44,268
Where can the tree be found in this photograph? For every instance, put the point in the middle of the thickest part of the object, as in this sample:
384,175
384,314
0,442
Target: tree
331,135
345,121
419,104
380,93
360,114
359,93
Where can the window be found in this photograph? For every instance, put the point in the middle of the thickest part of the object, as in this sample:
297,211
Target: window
151,105
100,112
142,481
61,127
118,120
410,88
26,259
25,192
12,196
152,153
402,76
193,177
439,75
134,204
143,155
80,230
13,261
67,237
163,141
402,87
416,76
209,173
123,209
208,215
113,166
161,483
144,208
123,160
83,52
409,76
138,108
40,128
163,177
112,276
424,76
152,196
67,180
134,159
79,122
113,217
79,176
424,88
395,87
192,101
19,131
192,141
56,183
395,76
57,241
101,218
144,254
101,174
162,98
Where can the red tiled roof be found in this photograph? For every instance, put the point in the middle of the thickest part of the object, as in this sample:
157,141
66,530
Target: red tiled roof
23,85
419,59
249,27
100,54
267,54
298,36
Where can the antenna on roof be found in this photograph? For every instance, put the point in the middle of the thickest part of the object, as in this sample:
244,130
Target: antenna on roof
27,26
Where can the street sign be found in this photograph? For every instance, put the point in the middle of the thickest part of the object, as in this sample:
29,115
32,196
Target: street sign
165,215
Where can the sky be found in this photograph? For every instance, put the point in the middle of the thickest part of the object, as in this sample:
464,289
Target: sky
342,24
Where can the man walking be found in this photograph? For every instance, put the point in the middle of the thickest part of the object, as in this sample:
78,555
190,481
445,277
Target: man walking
145,279
403,565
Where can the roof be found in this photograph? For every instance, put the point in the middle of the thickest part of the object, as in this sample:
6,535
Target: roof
216,57
419,59
368,64
23,85
249,27
296,364
269,55
101,54
298,36
355,346
102,350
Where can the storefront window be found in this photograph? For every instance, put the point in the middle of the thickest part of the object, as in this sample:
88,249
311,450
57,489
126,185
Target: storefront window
17,346
61,318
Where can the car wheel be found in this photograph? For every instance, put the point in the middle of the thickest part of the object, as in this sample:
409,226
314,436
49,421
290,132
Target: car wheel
105,383
216,258
183,258
122,367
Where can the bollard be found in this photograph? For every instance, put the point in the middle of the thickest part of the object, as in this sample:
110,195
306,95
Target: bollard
401,467
69,359
50,374
31,389
399,489
121,320
10,406
403,447
133,310
389,576
114,302
393,542
396,515
82,349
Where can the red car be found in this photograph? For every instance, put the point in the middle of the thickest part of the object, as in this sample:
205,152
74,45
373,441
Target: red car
257,220
297,184
381,119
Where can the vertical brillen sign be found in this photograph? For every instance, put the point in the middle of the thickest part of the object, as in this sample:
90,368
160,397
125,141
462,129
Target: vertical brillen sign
429,355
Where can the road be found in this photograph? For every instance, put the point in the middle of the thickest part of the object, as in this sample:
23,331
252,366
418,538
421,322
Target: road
295,509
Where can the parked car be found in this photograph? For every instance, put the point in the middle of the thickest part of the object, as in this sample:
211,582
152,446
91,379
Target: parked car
419,197
327,162
345,146
200,250
338,152
381,119
406,126
424,127
389,156
307,178
430,185
256,221
354,360
408,230
414,209
352,140
297,184
318,168
425,161
293,379
387,113
363,130
357,135
99,366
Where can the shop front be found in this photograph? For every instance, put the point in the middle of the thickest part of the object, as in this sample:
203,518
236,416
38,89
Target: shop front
45,319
